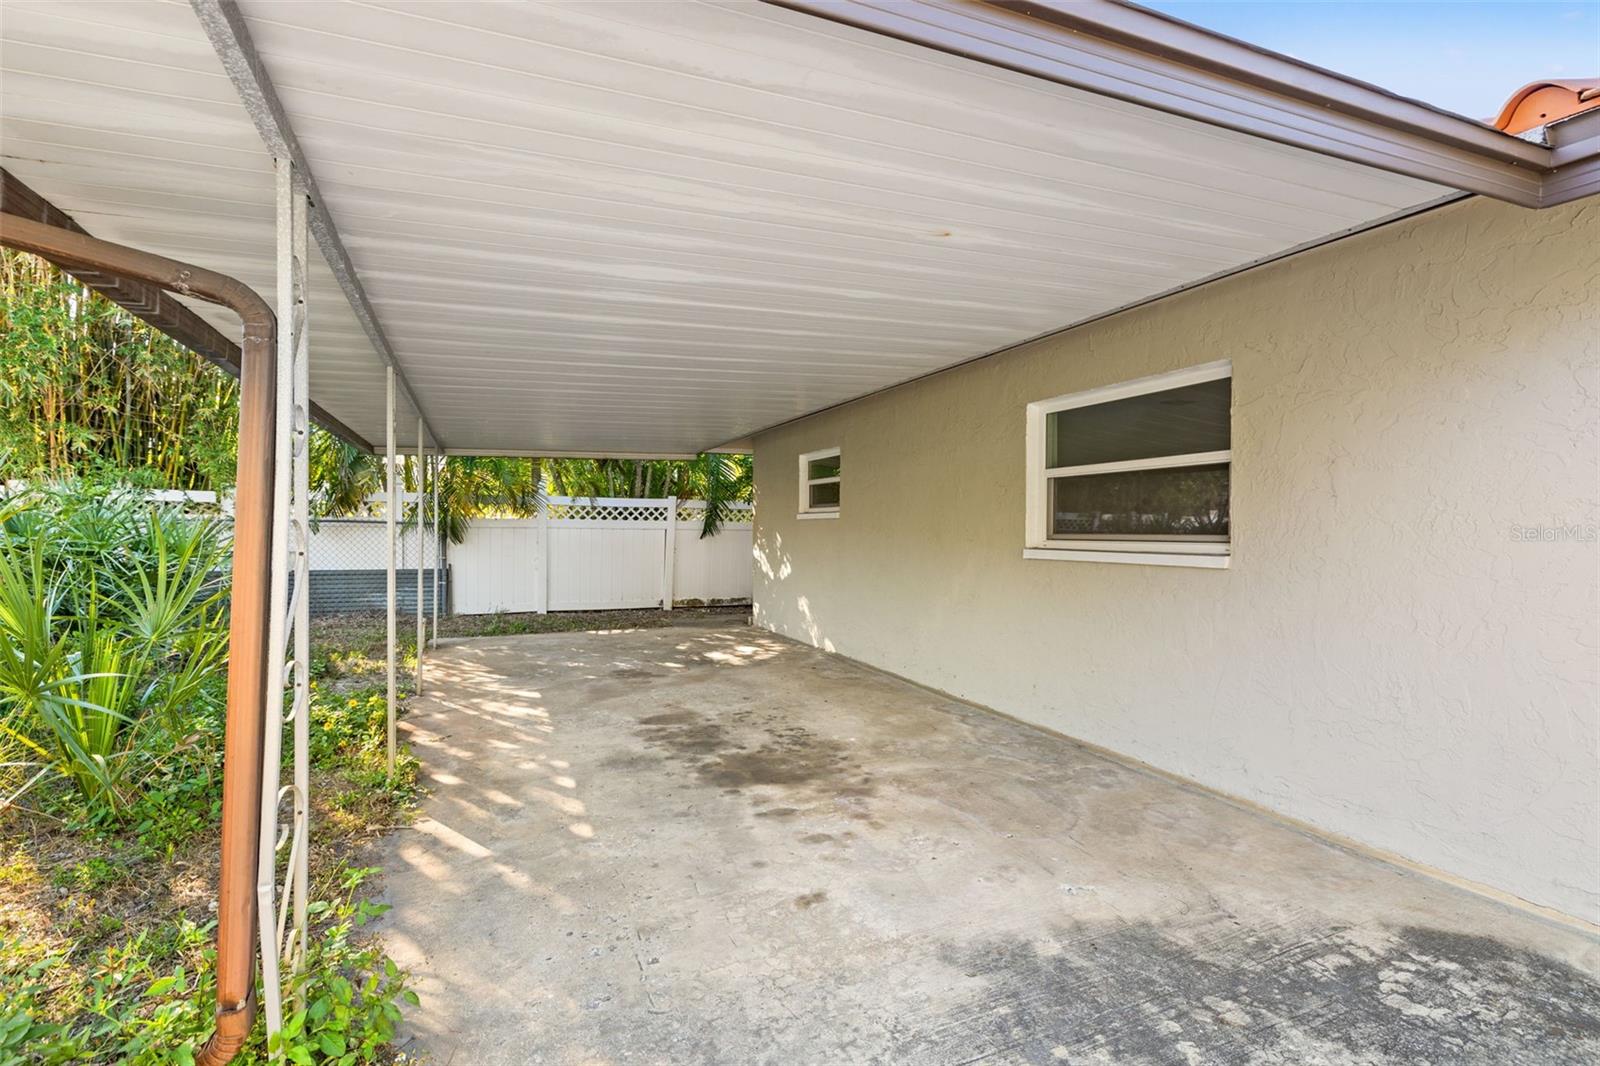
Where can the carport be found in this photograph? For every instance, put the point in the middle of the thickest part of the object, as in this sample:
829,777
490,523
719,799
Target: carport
707,844
655,230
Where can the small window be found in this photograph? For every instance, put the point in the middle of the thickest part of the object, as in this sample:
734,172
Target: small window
819,484
1135,472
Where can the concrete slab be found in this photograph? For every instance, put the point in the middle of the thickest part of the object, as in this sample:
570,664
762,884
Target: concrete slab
715,846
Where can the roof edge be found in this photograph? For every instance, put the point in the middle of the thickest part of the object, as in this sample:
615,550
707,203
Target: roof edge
1127,52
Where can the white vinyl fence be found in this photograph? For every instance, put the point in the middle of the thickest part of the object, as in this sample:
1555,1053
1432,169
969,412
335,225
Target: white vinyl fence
596,553
578,554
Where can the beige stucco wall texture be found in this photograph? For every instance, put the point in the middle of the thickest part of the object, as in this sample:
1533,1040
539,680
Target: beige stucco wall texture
1404,650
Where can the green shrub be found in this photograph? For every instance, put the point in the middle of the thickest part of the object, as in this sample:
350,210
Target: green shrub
113,621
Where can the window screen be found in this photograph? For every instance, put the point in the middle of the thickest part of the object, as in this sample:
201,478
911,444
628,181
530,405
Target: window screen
1152,466
1180,421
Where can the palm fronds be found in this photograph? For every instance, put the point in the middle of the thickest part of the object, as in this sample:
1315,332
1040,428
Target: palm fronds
111,622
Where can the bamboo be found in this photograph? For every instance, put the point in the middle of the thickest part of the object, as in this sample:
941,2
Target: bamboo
241,796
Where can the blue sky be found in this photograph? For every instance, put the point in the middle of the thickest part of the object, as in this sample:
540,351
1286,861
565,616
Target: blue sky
1464,57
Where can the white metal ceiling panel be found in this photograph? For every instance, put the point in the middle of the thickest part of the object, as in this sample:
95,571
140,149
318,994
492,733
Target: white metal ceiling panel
651,227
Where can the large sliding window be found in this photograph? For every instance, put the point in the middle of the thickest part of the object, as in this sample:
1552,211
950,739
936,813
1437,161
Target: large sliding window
1133,473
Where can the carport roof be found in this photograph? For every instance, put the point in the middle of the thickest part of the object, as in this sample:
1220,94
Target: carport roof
647,228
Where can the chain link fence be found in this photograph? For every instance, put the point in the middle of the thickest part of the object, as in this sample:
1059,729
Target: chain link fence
349,565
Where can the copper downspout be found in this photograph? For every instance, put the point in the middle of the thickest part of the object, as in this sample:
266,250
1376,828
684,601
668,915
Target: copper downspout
247,634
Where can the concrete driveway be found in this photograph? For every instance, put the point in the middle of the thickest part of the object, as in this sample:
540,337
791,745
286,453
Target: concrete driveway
710,845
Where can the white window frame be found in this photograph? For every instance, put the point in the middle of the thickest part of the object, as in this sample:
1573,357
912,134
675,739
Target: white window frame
1210,554
806,459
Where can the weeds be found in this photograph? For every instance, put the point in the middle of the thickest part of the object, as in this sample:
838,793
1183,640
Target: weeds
112,688
149,998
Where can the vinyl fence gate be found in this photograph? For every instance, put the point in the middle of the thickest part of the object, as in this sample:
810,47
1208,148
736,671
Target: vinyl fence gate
597,553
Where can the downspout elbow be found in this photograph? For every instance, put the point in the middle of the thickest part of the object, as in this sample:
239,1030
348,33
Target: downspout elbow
247,624
232,1030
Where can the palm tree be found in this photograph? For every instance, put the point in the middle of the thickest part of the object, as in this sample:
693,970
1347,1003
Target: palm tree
482,486
715,477
341,475
473,486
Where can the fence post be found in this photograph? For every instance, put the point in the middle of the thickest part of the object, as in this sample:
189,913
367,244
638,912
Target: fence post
541,547
668,550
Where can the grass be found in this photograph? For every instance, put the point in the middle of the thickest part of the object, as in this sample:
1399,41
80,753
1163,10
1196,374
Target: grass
106,927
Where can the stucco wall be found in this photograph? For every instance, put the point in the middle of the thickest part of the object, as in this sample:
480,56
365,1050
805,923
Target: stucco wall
1387,658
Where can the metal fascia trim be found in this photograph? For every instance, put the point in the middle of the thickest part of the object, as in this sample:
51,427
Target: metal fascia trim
1575,150
1127,53
562,453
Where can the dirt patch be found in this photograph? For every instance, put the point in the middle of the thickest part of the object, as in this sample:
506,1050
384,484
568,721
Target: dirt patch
628,761
770,764
671,718
361,635
697,738
810,899
742,751
747,752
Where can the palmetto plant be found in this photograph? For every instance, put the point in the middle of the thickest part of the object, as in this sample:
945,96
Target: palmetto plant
112,627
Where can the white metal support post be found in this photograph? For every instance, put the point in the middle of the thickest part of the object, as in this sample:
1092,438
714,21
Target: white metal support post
391,505
667,552
438,546
295,946
422,544
283,925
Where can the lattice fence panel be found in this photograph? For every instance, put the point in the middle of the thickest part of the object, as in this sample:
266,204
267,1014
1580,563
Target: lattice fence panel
733,514
580,510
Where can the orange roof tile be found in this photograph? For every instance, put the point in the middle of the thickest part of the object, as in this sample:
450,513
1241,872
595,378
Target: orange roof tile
1540,103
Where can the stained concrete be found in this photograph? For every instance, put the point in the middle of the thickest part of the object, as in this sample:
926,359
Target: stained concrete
716,846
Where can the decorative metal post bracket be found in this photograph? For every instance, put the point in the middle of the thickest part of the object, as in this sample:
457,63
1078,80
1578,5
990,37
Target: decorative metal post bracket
282,915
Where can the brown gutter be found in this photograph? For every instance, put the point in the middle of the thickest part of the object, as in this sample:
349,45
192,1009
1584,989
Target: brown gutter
247,635
145,301
1172,39
1127,52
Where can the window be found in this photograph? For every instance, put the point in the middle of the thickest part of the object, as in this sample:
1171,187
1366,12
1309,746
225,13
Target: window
1134,473
819,484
